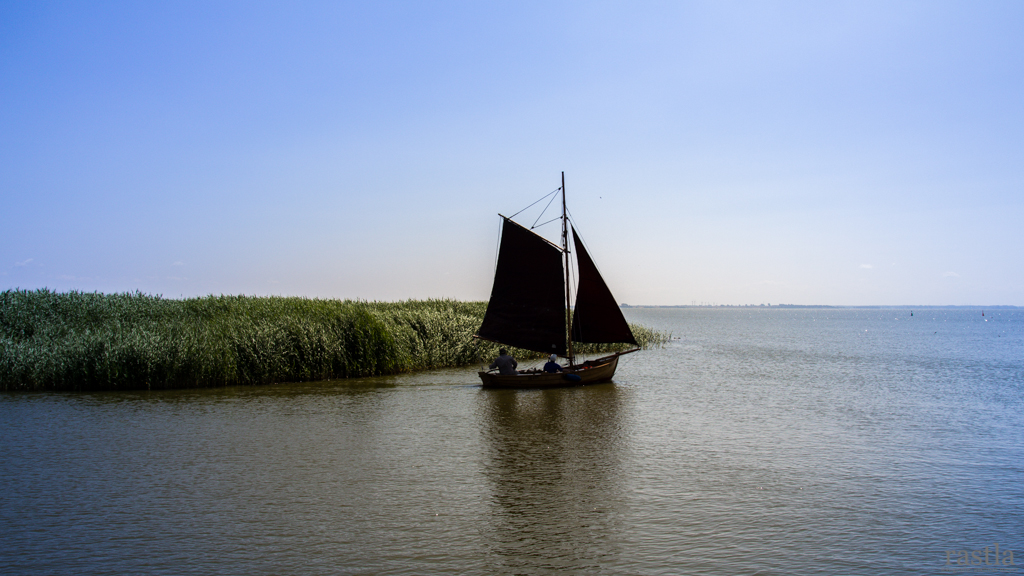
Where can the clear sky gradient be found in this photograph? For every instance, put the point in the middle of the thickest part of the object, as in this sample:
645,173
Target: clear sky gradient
859,153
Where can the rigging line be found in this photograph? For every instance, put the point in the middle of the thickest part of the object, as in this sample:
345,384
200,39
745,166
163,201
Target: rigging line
542,197
573,262
569,214
575,265
573,279
573,274
497,247
553,196
548,222
585,245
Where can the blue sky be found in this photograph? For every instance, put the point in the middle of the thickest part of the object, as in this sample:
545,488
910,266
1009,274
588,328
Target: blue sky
730,152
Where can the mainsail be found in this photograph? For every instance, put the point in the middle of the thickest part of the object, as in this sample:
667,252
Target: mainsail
527,306
596,317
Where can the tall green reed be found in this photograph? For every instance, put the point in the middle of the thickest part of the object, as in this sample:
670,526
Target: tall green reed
90,341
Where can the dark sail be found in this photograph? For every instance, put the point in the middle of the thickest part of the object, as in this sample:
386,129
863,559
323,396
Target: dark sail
596,318
527,306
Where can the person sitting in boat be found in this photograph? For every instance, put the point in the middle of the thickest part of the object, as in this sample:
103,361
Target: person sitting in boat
552,365
505,364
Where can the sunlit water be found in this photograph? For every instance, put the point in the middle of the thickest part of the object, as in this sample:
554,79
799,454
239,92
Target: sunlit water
760,442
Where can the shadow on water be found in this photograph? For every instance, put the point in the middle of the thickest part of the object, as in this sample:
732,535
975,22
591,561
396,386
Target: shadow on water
553,462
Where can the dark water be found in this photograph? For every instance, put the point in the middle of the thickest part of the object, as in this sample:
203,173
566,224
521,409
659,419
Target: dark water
762,442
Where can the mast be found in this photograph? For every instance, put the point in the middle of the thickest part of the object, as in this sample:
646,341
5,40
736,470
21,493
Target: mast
565,251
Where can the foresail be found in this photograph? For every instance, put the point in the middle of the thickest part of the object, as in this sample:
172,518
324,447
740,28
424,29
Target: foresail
527,305
596,317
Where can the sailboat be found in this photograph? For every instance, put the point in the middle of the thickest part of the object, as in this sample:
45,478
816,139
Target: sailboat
531,308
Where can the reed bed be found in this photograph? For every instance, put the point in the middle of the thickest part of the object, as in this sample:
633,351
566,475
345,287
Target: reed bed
91,341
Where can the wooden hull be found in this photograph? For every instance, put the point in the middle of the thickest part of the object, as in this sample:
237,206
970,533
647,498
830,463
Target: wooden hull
592,372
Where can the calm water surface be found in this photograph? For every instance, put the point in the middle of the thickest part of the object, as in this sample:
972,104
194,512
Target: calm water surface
760,442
